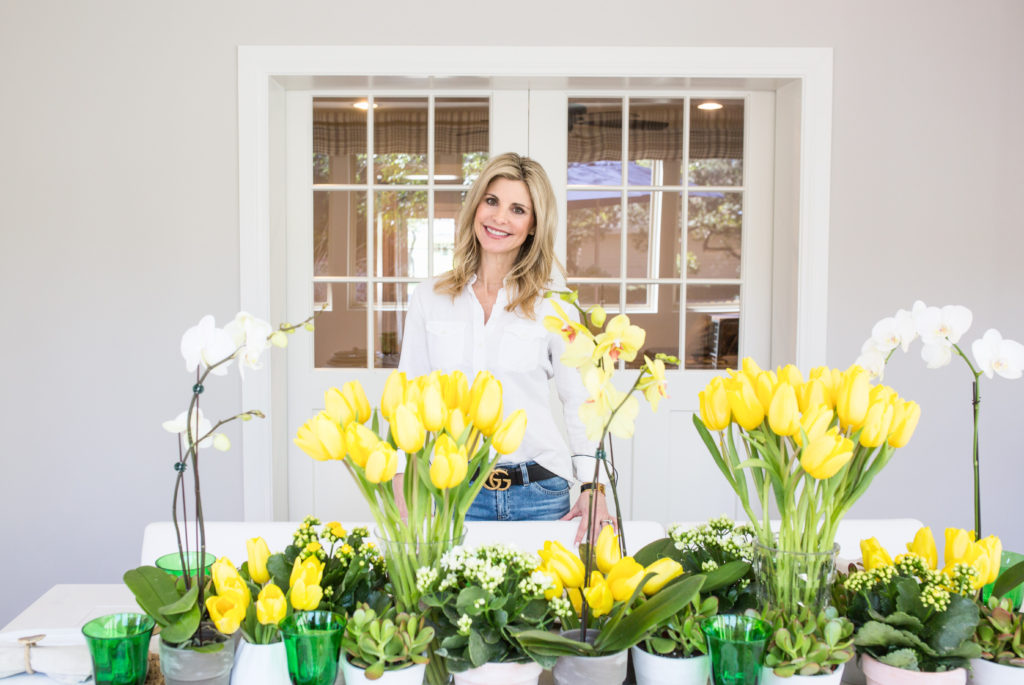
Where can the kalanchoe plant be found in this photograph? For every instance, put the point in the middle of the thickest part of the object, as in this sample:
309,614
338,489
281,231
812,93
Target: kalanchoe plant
680,636
1000,633
386,642
711,545
913,617
803,643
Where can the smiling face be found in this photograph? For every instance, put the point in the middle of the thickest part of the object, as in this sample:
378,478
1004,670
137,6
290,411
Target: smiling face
504,218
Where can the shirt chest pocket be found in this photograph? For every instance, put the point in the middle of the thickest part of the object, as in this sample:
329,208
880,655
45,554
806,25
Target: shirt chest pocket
522,348
446,343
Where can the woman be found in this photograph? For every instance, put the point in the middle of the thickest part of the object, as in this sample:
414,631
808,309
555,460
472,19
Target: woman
486,314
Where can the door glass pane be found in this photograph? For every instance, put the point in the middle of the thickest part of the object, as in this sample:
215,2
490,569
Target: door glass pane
400,231
446,212
339,339
388,322
656,136
339,140
400,140
461,139
604,294
712,326
643,214
339,233
714,229
593,230
595,141
716,143
661,321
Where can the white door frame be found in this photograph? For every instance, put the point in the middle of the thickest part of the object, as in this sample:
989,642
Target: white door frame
266,72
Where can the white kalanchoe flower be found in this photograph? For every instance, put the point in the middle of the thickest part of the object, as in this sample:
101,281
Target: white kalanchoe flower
464,624
205,343
994,354
200,427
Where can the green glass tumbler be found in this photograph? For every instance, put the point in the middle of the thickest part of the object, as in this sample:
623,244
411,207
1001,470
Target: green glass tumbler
119,647
172,563
312,641
736,644
1007,560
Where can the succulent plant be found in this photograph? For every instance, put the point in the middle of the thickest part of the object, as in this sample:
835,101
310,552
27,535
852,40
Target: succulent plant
386,642
1001,632
803,643
681,636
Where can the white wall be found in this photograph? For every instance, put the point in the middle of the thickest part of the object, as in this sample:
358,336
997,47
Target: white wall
118,229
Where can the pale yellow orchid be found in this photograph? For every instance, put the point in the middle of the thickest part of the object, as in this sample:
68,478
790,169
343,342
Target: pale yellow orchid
654,386
620,340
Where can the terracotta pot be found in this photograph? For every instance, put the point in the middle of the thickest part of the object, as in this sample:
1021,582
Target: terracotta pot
877,673
653,669
768,677
990,673
500,674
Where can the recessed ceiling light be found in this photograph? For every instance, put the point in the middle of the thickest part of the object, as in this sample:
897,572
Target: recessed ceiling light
710,105
364,105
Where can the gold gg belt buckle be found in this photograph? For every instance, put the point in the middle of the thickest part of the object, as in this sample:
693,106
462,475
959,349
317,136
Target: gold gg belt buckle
498,479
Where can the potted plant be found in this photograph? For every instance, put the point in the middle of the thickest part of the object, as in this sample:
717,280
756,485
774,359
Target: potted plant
913,619
197,613
1000,634
479,600
676,652
807,648
390,647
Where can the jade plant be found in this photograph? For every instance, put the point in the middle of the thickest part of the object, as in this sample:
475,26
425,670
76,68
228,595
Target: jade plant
386,642
805,643
1000,634
680,636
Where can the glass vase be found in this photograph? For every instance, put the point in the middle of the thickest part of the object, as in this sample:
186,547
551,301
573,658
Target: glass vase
789,581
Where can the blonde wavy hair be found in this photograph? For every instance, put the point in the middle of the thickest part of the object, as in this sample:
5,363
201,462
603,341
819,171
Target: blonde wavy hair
531,272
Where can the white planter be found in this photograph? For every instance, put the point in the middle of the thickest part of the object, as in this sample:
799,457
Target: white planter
768,677
500,674
260,664
412,675
990,673
877,673
653,669
592,670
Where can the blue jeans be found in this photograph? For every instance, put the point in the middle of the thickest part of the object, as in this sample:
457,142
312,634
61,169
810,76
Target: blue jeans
542,500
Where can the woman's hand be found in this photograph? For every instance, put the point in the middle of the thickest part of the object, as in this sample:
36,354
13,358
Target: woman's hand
581,508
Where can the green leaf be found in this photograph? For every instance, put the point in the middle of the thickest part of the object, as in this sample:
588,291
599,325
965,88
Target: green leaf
955,625
633,628
546,643
466,603
877,634
183,603
183,627
153,590
479,652
899,619
659,549
902,658
724,576
1009,579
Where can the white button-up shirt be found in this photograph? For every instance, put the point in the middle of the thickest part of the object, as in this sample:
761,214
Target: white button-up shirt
444,334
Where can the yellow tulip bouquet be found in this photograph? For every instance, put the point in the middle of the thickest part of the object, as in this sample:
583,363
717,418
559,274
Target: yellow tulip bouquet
810,446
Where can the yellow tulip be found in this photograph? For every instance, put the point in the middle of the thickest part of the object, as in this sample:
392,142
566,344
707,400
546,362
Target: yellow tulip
624,577
852,398
556,588
831,379
746,409
360,441
305,597
784,412
449,466
924,547
220,571
485,409
338,408
882,393
600,599
993,550
356,397
877,423
814,423
905,416
812,394
666,569
568,566
750,368
321,438
764,385
225,612
456,423
977,557
454,388
874,555
576,599
714,405
310,570
606,549
407,429
258,553
824,456
236,588
394,393
382,464
620,340
271,605
510,435
435,411
958,545
791,374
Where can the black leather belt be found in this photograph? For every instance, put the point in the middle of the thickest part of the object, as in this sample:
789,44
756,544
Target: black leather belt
505,476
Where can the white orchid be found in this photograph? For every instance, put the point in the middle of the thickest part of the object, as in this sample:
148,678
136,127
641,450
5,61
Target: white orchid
948,323
937,353
873,357
894,331
252,336
200,427
994,354
205,343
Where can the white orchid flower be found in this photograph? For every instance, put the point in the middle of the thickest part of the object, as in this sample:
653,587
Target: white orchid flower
937,353
948,323
200,427
207,344
905,329
251,335
993,354
872,358
221,442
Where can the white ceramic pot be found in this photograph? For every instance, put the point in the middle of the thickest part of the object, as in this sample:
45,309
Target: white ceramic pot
653,669
592,670
500,674
768,677
412,675
260,664
189,667
990,673
877,673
